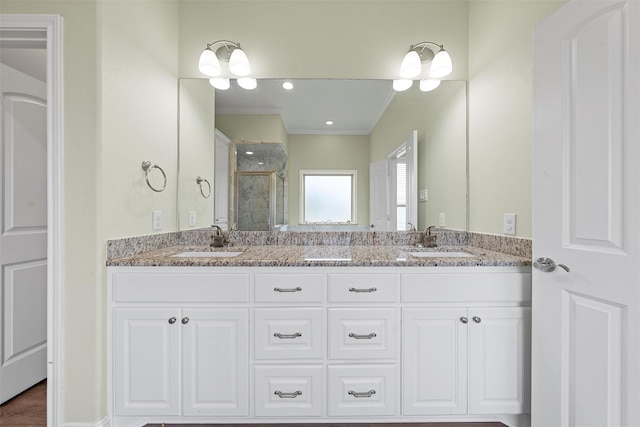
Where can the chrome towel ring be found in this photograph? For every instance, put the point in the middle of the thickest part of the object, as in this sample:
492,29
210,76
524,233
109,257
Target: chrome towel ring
147,166
199,181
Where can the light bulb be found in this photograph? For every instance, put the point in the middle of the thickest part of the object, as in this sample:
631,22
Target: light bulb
220,83
247,83
429,85
208,63
287,85
441,65
402,84
239,63
411,65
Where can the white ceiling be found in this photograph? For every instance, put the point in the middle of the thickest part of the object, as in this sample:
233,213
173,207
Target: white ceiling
355,106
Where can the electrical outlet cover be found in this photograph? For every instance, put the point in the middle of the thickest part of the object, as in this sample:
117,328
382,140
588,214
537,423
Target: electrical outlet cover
156,220
509,224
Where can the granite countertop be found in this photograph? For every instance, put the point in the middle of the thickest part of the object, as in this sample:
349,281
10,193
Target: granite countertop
322,255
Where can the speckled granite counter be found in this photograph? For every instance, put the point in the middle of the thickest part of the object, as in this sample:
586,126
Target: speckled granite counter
322,255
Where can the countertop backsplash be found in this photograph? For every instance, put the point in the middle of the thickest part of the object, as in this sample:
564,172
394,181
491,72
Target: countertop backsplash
131,246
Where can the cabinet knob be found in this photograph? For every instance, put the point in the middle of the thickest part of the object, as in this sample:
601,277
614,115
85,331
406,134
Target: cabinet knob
185,320
464,320
172,320
477,319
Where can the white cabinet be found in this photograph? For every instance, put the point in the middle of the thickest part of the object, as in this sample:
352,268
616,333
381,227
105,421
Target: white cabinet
463,360
147,361
216,345
189,361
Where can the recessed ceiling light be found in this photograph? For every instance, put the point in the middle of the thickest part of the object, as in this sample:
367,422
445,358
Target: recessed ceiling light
287,85
328,122
261,163
248,152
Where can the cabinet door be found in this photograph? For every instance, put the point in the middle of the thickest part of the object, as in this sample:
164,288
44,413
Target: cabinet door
215,361
434,361
146,359
499,360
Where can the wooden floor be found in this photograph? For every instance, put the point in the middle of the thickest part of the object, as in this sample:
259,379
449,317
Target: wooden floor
26,409
30,409
337,425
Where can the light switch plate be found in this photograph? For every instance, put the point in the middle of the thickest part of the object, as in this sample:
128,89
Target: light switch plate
441,219
192,219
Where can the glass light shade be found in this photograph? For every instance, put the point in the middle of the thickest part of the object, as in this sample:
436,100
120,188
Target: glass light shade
402,84
247,83
441,65
239,63
208,63
220,83
429,85
411,65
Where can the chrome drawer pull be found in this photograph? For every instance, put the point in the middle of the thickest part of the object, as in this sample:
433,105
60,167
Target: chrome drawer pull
297,289
362,290
362,393
287,336
362,337
283,395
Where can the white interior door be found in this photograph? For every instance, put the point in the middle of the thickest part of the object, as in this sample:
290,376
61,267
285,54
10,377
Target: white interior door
378,204
221,181
411,145
23,241
586,325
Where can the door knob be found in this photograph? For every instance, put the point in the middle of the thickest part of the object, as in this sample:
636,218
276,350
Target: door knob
548,265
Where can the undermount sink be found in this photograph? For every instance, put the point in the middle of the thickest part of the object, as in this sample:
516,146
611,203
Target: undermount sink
206,254
443,254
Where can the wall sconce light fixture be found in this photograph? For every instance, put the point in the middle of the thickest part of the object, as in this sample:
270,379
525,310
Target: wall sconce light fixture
438,59
230,52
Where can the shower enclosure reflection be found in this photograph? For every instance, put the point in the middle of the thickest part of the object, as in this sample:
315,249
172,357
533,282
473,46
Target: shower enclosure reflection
260,201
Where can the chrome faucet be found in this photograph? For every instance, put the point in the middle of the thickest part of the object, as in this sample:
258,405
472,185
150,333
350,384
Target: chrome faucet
428,239
411,227
217,239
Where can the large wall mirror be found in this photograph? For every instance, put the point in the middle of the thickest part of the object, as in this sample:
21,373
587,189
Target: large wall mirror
249,157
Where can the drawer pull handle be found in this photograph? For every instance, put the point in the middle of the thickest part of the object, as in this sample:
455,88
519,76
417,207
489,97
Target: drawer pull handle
363,337
362,393
287,336
359,290
296,289
283,395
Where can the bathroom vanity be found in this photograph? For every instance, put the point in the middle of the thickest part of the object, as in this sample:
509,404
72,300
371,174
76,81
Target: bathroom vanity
348,334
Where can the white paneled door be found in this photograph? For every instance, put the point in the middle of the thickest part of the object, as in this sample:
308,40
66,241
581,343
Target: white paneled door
23,238
586,323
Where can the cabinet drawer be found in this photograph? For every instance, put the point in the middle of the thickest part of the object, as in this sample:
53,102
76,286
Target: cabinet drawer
362,287
362,390
362,333
478,287
295,333
289,391
178,288
303,287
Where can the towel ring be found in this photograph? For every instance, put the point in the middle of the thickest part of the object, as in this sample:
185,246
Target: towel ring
199,181
147,166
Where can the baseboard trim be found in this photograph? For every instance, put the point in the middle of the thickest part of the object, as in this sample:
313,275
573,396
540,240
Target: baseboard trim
105,422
